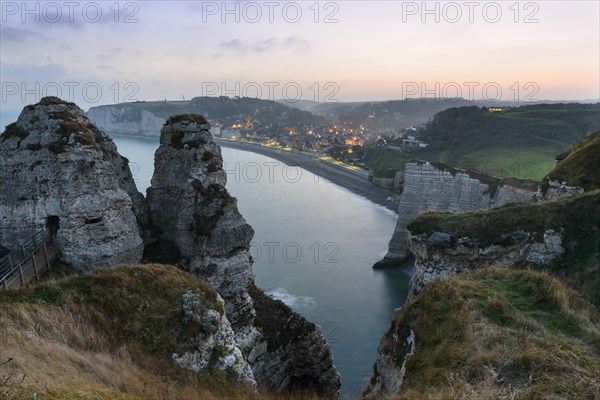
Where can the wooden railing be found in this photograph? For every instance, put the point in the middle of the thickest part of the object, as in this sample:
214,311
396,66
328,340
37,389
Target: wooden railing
20,267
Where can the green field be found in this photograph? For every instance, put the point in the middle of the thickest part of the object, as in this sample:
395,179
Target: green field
521,142
504,163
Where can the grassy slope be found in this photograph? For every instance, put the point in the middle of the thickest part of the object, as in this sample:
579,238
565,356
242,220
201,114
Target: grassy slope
578,216
499,334
580,165
108,335
519,143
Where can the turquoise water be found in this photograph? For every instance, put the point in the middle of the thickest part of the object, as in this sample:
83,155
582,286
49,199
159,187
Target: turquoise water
314,246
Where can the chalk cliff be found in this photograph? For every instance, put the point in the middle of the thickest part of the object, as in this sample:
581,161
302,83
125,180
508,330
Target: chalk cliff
62,175
437,187
559,233
126,119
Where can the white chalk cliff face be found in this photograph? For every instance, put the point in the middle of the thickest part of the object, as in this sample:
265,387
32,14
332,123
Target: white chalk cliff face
125,119
430,187
62,175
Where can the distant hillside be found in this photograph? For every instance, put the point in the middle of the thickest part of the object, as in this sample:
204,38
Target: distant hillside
147,117
493,334
520,142
304,105
386,115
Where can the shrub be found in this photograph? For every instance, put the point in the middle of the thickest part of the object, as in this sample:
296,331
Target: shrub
197,118
439,239
12,130
191,307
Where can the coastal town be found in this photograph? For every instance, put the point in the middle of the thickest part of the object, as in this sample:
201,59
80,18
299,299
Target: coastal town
339,142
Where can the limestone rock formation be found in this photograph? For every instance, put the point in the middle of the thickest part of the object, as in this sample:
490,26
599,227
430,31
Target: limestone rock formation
434,187
189,205
434,262
62,175
288,351
193,219
389,376
559,235
215,346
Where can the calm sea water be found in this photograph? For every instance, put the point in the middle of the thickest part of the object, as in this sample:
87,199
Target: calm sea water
314,246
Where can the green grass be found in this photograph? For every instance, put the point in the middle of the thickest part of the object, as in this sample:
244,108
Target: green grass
580,165
385,161
280,325
520,143
496,333
111,335
490,225
513,163
578,217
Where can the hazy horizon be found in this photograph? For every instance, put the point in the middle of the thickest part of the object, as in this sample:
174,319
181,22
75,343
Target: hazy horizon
96,53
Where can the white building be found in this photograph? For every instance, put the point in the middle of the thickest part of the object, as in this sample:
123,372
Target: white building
229,133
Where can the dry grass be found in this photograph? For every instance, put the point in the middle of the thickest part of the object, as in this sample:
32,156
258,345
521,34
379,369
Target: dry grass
500,334
64,347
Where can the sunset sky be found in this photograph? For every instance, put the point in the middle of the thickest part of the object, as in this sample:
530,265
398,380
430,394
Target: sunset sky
348,51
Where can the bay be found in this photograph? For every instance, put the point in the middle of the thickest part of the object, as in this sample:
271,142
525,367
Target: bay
314,245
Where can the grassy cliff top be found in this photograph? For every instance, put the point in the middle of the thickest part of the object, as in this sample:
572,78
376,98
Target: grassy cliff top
496,334
489,225
109,335
580,165
578,217
197,118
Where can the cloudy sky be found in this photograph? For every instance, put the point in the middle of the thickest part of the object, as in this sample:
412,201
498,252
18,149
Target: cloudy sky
98,53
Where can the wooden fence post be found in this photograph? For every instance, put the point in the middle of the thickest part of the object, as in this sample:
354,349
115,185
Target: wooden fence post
21,274
46,256
35,269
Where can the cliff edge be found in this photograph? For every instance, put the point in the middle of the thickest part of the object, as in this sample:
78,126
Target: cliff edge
438,187
493,334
